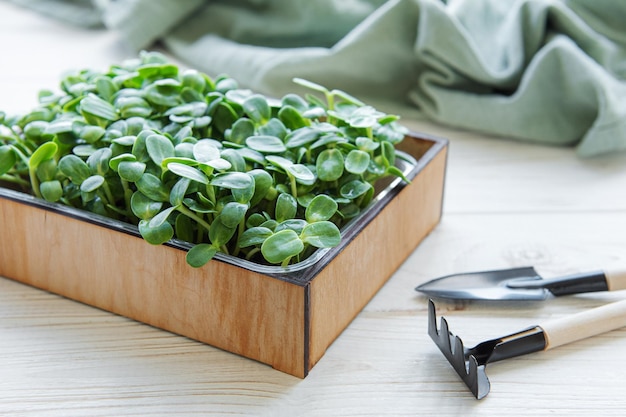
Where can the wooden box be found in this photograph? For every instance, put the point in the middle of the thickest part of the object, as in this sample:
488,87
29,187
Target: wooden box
286,318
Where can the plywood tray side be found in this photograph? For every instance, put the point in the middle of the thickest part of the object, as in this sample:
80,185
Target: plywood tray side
285,319
229,307
345,286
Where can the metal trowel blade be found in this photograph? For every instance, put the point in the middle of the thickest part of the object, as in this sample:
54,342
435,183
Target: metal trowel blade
484,285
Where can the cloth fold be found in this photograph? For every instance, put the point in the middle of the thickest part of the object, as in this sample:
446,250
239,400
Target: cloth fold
544,71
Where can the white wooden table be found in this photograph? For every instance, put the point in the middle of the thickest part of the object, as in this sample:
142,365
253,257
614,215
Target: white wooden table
506,204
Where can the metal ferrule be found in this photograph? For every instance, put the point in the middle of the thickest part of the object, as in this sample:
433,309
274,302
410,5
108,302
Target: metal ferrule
526,341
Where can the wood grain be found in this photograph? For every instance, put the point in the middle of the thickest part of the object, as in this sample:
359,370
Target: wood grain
506,204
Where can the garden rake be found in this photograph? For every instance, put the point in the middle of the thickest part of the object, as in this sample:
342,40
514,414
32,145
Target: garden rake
470,363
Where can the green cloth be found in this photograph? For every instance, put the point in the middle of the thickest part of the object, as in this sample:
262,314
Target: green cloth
545,71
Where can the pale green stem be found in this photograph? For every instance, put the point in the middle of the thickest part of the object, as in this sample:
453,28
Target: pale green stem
184,210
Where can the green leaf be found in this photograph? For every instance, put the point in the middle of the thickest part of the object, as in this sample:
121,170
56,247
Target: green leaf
219,233
357,161
181,160
279,161
125,157
8,158
252,156
47,170
85,150
92,105
241,130
232,180
354,189
286,206
219,164
392,132
164,92
254,236
35,129
266,144
186,171
92,183
366,144
321,208
329,165
161,217
235,159
243,195
270,224
42,153
105,87
74,168
193,79
347,97
263,182
98,161
232,214
292,118
159,147
392,170
184,228
257,108
311,85
59,126
139,147
51,190
205,150
198,206
255,219
131,171
224,117
297,225
92,134
349,211
152,187
274,127
282,246
200,255
322,234
125,140
144,207
328,139
364,117
183,149
133,107
177,195
301,173
302,137
156,235
294,101
389,153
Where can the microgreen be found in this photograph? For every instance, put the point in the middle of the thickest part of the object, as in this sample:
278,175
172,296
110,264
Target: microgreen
182,155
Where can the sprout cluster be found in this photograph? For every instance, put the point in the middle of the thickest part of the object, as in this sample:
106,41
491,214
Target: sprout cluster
185,156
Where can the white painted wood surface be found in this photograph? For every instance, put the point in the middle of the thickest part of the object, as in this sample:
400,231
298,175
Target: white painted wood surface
506,204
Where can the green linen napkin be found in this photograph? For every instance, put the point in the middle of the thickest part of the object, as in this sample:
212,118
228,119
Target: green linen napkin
546,71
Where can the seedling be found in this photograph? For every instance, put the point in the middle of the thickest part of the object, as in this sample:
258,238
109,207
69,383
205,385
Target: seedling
186,156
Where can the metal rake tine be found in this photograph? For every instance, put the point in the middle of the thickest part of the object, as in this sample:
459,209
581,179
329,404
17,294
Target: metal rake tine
451,346
470,363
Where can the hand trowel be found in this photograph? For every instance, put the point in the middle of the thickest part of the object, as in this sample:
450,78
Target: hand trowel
520,284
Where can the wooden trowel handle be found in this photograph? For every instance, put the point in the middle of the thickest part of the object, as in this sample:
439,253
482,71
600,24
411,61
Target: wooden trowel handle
615,279
580,326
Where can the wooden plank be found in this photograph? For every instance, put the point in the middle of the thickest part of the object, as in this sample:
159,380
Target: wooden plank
342,289
496,175
226,306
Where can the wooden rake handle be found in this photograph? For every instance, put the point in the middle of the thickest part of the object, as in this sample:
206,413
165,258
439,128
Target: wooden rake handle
615,279
561,331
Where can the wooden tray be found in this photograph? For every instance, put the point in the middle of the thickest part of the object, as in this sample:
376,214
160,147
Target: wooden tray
286,318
